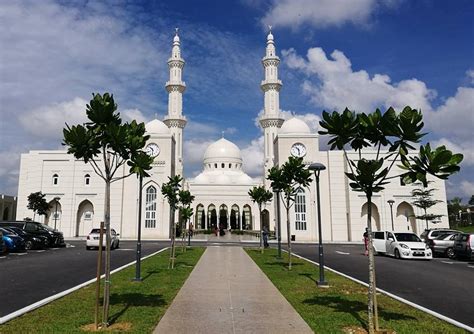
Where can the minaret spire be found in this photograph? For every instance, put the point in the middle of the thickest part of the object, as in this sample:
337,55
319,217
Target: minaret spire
271,120
175,88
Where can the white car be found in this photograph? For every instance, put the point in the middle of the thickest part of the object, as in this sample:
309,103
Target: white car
401,245
94,236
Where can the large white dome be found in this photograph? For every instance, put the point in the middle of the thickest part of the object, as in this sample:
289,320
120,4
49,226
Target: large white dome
222,150
294,125
156,127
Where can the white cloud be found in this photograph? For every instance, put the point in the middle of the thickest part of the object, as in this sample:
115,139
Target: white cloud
467,188
252,156
129,115
470,76
321,13
333,84
48,121
193,150
312,120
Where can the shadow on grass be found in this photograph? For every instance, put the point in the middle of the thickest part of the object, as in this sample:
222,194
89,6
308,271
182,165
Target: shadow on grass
150,273
133,299
309,276
354,308
282,264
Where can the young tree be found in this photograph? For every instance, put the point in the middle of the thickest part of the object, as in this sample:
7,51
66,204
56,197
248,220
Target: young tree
471,200
107,145
261,196
186,214
424,200
398,133
454,206
287,179
38,204
175,196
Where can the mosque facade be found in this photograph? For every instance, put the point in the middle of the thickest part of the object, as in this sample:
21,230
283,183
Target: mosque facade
76,194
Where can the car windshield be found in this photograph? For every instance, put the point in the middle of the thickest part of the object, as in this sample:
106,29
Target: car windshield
407,237
96,231
442,236
7,232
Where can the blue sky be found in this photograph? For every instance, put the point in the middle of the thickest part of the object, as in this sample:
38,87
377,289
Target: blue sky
361,54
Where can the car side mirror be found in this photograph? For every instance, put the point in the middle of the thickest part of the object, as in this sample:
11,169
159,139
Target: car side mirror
117,234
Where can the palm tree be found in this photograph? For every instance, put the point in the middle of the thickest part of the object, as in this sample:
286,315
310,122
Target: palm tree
261,196
287,179
398,133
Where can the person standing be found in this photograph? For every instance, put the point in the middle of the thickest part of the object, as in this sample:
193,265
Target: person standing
265,233
366,241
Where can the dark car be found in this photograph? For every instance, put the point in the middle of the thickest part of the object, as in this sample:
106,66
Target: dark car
13,241
443,245
432,233
55,238
31,241
3,247
464,246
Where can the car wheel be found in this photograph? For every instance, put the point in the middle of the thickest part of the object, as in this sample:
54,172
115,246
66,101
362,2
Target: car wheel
28,245
450,253
397,254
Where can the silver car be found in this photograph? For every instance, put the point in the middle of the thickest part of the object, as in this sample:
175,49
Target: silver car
94,236
443,245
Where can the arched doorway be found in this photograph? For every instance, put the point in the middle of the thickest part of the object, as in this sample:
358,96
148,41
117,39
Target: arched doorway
247,218
266,219
405,219
374,214
223,217
212,216
199,222
6,211
53,216
85,216
234,217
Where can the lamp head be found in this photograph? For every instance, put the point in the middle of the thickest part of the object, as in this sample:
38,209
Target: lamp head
390,201
316,166
57,199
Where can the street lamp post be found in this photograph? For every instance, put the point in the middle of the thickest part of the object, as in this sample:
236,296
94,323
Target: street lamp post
390,202
317,168
278,223
139,236
56,200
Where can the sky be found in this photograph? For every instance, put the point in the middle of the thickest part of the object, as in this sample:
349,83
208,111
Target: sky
360,54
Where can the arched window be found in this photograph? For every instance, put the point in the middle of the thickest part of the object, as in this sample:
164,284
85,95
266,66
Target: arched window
222,165
230,165
150,207
55,179
300,210
87,179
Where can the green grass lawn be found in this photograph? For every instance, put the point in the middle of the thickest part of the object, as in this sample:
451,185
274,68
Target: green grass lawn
136,306
467,229
344,304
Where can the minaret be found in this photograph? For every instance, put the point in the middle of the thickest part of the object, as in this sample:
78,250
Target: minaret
175,87
270,120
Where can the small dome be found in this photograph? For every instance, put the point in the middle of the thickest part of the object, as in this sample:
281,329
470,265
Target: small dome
270,36
222,150
156,127
294,125
176,38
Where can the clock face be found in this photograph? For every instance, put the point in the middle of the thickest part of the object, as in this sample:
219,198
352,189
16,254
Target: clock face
152,150
298,150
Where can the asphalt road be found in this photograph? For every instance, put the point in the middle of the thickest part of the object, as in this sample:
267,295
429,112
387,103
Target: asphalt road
26,278
442,285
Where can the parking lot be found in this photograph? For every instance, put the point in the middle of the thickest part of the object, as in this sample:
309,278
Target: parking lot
442,285
31,276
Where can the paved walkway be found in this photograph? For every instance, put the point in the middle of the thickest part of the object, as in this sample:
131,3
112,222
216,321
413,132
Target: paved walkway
227,293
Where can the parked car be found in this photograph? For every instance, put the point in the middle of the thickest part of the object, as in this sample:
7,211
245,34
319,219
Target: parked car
31,241
443,245
401,245
464,246
55,238
432,233
94,236
13,242
3,247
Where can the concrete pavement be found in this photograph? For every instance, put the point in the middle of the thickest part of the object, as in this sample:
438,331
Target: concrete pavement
228,293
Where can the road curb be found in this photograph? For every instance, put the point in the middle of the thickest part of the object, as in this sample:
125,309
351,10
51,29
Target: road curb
49,299
419,307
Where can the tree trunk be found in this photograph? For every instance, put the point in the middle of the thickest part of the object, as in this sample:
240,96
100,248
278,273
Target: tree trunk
372,297
105,317
288,232
426,218
173,234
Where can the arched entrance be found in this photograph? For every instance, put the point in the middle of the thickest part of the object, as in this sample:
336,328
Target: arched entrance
405,219
223,217
85,216
374,215
6,211
53,216
212,216
266,219
199,222
234,217
247,218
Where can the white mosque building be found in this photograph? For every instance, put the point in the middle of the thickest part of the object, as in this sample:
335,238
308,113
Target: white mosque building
221,190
